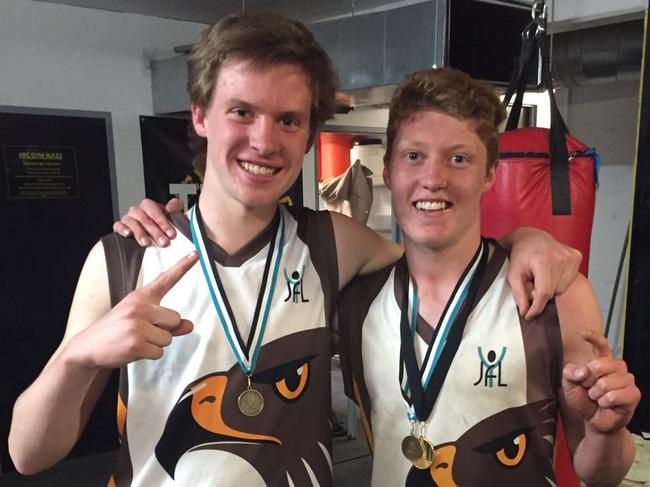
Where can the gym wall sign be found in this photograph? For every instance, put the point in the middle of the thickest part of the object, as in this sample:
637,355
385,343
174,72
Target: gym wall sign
35,172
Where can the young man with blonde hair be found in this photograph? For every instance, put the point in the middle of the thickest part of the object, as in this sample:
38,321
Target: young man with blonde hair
455,387
224,379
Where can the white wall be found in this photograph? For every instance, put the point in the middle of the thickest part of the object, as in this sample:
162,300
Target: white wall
58,56
584,10
605,116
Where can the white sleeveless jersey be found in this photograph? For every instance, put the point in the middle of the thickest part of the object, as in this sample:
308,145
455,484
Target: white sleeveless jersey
494,420
178,416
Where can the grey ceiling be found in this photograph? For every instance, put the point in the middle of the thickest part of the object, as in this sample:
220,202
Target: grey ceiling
204,11
207,11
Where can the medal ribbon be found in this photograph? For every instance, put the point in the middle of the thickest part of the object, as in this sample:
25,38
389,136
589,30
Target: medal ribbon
241,349
421,385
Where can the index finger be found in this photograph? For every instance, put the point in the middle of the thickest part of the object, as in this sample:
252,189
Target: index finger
598,343
540,298
542,281
168,279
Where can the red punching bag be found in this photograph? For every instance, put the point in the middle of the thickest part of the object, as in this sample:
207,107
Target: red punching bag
545,179
521,195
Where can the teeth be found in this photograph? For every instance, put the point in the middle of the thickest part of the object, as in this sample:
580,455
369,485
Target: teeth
255,169
431,205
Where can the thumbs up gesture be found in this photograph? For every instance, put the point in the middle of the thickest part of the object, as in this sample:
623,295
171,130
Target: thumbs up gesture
602,392
138,327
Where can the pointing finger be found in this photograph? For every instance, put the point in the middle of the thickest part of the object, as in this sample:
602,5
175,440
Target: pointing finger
598,343
168,279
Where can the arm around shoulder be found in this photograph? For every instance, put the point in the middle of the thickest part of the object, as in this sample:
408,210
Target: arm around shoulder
51,413
359,249
598,396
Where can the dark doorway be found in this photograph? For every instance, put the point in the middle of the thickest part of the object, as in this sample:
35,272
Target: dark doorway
56,200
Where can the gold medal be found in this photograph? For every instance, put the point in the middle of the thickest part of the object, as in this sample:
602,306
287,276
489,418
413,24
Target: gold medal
417,448
251,401
426,458
411,448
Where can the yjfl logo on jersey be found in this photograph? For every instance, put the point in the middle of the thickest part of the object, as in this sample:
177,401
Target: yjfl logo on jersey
490,368
295,290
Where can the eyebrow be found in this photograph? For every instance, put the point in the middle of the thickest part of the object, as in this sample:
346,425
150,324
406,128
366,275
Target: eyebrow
418,145
410,143
462,146
237,102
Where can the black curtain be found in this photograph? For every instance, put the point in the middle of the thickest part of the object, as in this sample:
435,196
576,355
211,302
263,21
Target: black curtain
637,319
55,203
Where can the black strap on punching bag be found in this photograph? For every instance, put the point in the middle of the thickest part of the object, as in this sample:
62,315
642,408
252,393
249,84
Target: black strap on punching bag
533,47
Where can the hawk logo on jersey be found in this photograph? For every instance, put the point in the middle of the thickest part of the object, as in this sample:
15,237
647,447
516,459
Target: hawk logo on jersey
490,368
513,447
294,286
275,442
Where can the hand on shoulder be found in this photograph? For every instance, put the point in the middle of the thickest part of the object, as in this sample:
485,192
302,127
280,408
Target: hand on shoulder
540,267
149,222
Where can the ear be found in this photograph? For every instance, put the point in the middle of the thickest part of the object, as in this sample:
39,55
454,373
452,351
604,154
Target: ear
490,177
387,180
199,120
310,139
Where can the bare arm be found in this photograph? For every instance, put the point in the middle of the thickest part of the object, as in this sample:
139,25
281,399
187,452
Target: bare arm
50,414
359,249
598,393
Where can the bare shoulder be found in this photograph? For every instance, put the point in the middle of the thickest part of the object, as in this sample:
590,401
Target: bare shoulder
579,313
359,249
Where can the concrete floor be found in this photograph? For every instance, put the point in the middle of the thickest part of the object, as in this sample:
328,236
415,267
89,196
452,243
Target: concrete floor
352,461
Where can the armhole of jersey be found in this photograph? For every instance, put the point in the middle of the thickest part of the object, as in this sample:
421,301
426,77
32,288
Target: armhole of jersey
316,230
123,262
553,334
352,309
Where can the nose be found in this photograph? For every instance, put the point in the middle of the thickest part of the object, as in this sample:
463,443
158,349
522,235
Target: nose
436,174
263,137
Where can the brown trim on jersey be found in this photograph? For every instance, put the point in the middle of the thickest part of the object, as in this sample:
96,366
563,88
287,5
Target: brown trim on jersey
257,243
541,337
123,471
497,258
315,229
543,341
353,306
123,262
365,423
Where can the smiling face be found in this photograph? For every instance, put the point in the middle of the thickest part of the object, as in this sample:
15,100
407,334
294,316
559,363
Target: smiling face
437,172
258,130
